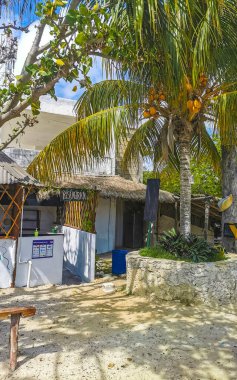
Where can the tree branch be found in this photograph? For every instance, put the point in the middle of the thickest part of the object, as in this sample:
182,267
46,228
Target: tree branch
13,26
34,50
36,94
29,59
28,122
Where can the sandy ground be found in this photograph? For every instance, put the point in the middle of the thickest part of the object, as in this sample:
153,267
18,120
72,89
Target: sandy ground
80,332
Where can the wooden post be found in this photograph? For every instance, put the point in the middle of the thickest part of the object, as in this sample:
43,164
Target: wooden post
15,320
15,313
16,215
206,221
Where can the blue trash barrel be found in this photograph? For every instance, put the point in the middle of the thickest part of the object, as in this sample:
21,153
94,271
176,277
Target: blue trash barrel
119,261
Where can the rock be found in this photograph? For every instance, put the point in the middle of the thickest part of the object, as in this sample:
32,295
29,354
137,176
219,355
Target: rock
190,283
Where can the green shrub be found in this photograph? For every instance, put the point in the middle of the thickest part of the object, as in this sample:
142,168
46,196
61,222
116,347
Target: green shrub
191,247
159,253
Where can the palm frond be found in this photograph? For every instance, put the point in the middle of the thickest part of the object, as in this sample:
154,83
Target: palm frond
142,142
21,10
226,117
204,148
107,94
84,143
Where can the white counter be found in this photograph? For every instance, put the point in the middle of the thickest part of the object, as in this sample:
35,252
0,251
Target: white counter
46,255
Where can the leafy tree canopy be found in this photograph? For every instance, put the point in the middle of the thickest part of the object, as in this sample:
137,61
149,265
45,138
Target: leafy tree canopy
206,180
79,30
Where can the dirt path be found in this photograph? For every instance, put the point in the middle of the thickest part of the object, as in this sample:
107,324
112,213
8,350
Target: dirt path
82,333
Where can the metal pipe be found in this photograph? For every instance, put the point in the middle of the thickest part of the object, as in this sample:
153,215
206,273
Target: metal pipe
29,273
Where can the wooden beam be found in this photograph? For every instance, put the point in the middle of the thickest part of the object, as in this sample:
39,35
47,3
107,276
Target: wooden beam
211,210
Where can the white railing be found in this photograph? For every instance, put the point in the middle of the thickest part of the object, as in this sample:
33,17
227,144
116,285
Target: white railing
24,157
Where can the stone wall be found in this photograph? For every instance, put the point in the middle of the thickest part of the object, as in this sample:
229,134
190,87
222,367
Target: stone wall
210,283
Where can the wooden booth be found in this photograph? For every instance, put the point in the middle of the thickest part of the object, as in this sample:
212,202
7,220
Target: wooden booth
15,186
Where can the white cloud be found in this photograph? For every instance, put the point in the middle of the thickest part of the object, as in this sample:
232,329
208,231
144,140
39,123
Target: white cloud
25,44
63,88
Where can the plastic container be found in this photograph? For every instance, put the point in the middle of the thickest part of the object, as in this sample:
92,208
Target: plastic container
119,261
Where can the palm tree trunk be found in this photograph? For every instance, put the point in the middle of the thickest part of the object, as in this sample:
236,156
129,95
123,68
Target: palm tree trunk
185,183
229,186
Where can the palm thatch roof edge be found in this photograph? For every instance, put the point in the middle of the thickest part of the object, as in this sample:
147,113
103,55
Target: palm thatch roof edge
107,187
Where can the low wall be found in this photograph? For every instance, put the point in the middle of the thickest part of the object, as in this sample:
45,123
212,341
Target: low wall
7,261
44,270
209,283
79,253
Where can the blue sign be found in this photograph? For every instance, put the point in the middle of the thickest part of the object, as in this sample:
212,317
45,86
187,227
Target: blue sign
42,249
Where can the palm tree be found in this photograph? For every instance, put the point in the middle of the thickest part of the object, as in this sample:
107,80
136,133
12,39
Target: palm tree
181,77
112,109
17,10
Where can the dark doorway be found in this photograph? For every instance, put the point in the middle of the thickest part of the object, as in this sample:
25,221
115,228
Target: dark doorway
133,225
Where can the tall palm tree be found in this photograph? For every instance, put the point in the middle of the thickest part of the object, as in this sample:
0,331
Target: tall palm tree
180,59
18,9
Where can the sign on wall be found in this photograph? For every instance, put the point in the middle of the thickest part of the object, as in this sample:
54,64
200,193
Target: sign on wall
68,195
42,249
230,230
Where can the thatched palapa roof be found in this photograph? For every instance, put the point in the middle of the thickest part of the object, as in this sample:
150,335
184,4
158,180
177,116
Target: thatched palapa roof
12,173
112,187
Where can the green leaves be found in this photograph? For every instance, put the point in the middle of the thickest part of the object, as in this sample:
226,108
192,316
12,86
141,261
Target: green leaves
19,77
59,62
32,69
60,3
81,38
35,107
71,17
190,247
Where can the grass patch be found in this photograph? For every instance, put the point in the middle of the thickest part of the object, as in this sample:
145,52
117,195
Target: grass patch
159,253
220,256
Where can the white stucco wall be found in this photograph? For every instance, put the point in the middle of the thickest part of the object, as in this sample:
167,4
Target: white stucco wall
7,260
79,253
54,118
44,270
47,217
105,225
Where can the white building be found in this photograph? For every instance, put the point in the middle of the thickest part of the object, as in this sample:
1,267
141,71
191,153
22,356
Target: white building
115,225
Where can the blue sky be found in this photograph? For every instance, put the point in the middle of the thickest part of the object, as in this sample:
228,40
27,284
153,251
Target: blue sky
63,88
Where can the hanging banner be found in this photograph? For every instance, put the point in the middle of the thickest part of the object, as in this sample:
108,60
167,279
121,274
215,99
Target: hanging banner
152,197
68,195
